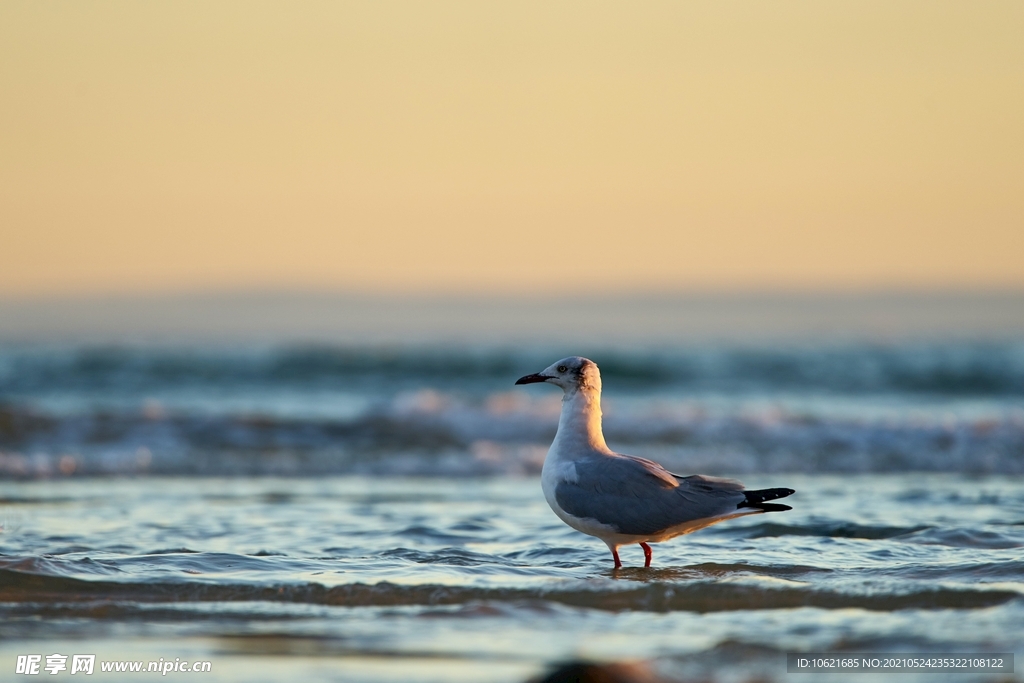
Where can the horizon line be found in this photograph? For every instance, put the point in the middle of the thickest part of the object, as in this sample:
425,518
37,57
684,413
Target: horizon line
618,294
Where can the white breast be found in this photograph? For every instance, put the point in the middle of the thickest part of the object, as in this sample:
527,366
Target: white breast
557,470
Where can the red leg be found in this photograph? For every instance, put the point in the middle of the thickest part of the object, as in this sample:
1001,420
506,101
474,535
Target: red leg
648,554
615,554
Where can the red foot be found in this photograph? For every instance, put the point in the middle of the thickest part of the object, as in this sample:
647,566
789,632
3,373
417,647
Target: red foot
648,554
618,562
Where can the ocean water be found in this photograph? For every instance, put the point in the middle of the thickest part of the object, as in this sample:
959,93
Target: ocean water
369,513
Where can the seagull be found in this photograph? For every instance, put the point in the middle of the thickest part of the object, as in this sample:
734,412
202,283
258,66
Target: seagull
623,499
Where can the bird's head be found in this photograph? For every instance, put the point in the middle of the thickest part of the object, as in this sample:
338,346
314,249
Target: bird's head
573,374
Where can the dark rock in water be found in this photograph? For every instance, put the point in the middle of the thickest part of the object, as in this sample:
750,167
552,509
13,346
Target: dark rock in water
584,672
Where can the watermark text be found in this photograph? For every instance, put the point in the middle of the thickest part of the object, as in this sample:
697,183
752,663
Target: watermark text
35,665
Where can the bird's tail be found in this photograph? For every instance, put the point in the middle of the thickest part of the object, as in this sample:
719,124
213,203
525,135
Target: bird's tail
756,499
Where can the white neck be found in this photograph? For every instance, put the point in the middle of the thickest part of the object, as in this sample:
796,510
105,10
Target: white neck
579,426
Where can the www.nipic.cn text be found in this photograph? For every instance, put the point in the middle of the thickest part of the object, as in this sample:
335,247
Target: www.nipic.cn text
34,665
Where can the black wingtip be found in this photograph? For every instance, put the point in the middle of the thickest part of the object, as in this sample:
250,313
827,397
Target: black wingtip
772,507
756,499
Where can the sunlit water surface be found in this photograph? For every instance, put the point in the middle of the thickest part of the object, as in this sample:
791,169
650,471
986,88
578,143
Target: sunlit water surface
437,579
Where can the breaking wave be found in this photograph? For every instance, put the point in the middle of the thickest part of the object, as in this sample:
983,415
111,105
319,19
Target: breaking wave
311,411
430,434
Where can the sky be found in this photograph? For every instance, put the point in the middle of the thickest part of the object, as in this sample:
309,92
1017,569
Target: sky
510,147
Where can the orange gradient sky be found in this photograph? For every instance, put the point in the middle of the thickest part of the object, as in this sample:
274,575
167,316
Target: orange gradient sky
510,147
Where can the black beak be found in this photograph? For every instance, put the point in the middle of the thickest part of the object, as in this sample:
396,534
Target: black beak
532,379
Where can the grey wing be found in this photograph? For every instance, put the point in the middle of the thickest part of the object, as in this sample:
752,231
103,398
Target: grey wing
639,497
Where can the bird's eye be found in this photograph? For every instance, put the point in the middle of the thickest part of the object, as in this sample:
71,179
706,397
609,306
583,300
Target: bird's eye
562,368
